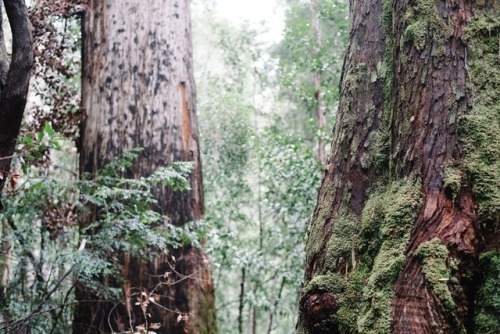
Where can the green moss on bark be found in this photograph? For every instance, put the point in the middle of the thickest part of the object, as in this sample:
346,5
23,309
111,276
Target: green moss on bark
388,216
480,130
333,283
487,320
424,24
452,179
480,134
439,271
341,243
434,257
386,223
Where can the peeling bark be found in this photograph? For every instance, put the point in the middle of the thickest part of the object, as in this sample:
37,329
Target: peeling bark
138,91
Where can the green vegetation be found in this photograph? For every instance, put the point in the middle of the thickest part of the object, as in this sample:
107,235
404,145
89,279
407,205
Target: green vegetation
452,179
487,320
260,171
434,256
389,215
41,214
366,291
480,134
256,104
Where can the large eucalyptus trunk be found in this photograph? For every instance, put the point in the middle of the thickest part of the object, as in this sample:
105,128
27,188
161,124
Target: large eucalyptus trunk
405,234
138,91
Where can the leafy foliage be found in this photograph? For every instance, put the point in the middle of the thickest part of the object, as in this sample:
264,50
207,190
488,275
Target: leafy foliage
43,237
260,182
57,69
298,62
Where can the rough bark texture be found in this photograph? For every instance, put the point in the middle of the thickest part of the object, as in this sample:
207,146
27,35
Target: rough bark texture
138,91
406,227
14,82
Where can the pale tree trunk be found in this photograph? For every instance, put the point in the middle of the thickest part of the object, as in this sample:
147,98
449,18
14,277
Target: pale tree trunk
318,95
138,91
405,234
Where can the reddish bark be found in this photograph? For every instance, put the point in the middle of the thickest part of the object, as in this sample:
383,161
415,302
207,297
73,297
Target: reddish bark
416,102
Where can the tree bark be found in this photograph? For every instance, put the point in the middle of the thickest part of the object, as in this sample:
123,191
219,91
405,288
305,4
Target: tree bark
405,226
138,91
14,82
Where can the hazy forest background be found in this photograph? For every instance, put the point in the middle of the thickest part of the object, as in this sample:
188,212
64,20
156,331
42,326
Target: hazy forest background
259,137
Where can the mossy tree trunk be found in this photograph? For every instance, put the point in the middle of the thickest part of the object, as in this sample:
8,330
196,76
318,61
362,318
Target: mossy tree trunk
405,234
138,91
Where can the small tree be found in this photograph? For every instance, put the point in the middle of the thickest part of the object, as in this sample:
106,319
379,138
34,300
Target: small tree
14,81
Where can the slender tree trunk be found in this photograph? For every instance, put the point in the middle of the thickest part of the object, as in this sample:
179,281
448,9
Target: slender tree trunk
138,91
5,271
405,234
14,82
241,301
318,95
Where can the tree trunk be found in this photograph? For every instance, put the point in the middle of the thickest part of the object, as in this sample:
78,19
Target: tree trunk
138,91
14,82
318,94
405,234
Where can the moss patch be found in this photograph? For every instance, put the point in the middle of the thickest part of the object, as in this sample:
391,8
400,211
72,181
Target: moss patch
434,256
389,215
452,180
352,301
333,283
480,130
480,134
423,22
487,320
341,243
386,223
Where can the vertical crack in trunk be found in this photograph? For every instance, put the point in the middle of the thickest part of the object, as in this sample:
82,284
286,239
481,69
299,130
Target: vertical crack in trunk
186,119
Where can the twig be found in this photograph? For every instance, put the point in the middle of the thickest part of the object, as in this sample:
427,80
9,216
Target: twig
38,308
